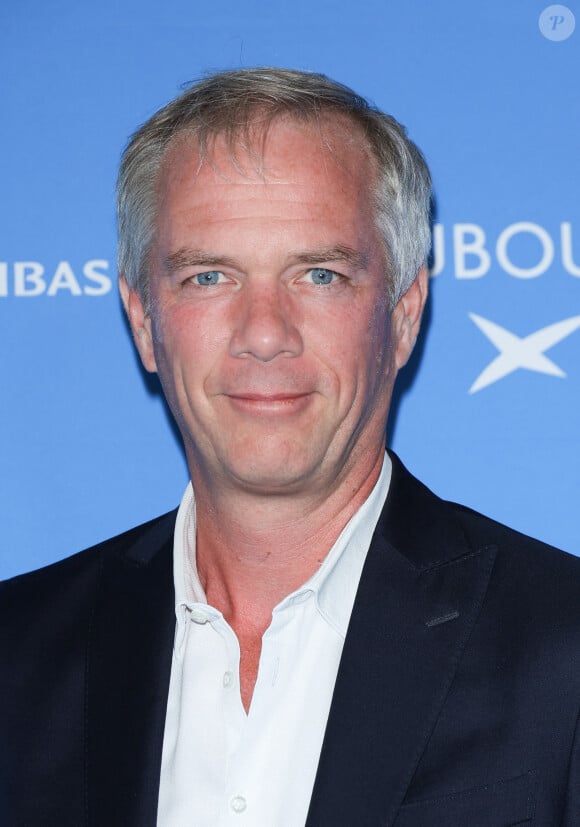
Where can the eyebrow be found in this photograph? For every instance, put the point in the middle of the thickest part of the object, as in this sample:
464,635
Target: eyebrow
191,257
342,252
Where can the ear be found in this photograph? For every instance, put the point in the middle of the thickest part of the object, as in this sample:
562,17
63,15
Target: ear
406,317
140,322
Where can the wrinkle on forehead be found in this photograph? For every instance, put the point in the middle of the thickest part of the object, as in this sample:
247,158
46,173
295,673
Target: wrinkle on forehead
247,149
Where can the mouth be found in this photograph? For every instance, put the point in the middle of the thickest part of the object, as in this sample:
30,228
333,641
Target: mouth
269,403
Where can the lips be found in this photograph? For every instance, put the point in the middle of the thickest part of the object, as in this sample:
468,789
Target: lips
269,403
267,397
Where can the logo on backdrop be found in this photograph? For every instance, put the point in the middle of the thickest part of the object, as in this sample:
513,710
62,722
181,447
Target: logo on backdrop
31,278
472,253
517,352
523,250
557,22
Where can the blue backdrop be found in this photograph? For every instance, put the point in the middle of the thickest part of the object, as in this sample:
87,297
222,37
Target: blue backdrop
488,413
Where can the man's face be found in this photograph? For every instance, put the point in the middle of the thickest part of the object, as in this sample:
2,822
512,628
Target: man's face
269,326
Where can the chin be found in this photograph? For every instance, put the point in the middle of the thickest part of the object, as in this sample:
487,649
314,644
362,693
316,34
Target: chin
270,475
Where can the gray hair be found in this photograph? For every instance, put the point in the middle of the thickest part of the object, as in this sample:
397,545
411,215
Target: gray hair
233,104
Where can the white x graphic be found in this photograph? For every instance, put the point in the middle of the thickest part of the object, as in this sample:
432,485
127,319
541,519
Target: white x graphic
516,352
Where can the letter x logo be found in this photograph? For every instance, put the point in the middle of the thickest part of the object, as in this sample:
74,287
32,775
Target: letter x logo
516,352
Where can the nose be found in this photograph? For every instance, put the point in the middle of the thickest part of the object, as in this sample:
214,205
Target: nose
265,323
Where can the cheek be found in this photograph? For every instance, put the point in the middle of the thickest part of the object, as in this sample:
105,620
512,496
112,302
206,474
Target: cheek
354,349
188,348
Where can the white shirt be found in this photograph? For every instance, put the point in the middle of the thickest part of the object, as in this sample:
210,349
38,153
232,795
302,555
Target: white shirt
220,766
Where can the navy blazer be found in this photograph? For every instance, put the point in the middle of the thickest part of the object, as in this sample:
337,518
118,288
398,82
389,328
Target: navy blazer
456,702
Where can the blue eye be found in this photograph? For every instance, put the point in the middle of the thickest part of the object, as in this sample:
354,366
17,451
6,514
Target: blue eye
209,278
320,275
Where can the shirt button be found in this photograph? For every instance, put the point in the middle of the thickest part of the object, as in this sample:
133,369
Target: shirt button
238,804
199,616
228,679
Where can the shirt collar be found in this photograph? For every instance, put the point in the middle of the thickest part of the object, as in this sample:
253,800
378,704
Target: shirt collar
336,581
334,584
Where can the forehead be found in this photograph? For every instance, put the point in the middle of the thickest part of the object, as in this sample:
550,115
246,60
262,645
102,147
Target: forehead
331,151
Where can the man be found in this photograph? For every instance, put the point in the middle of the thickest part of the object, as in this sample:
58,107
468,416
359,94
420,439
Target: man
314,638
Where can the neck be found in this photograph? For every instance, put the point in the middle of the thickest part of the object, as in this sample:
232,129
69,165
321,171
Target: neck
252,550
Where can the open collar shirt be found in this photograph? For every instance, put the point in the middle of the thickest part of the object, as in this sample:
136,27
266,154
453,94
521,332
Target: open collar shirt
221,766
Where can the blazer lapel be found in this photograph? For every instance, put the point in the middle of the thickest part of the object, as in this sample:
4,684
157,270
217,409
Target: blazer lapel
129,663
420,593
